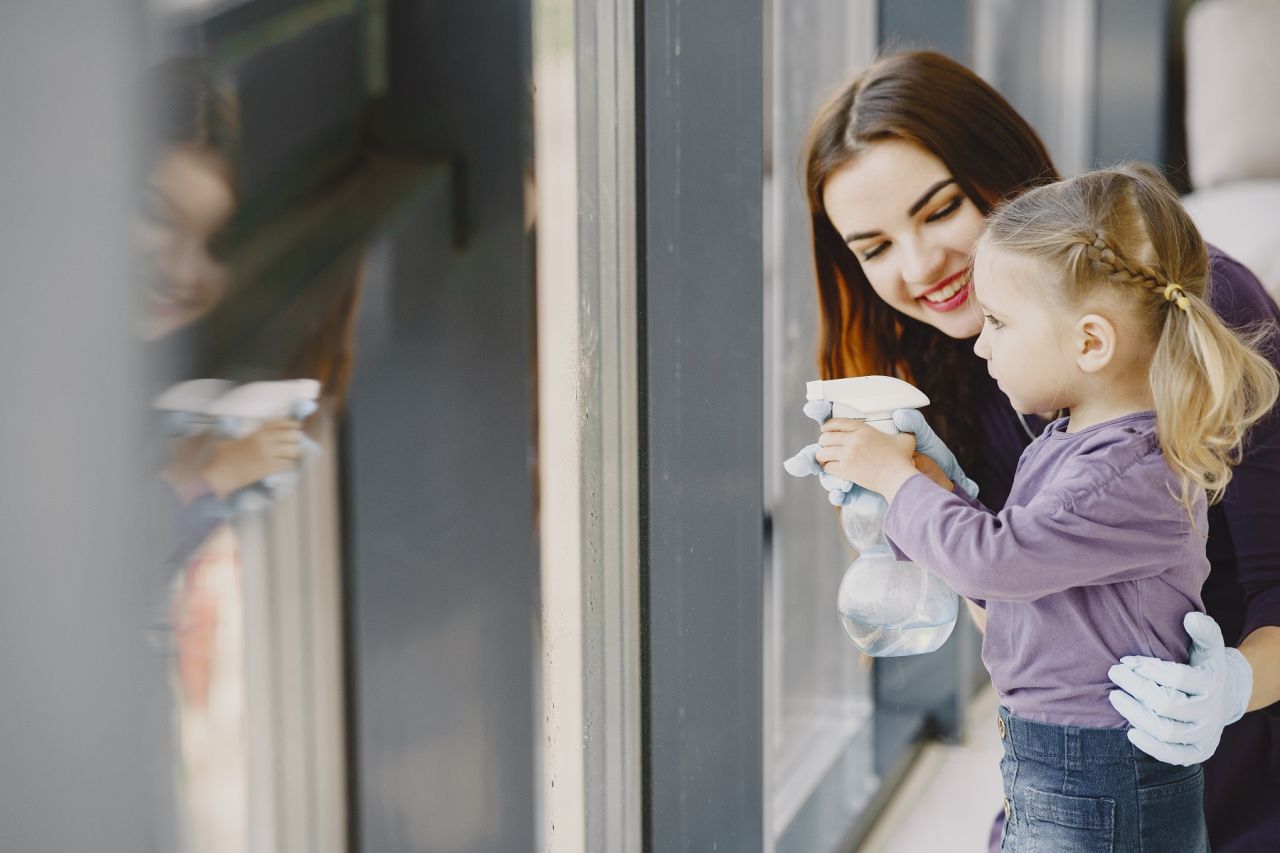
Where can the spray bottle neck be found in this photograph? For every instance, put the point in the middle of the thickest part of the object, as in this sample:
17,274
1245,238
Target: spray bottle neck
882,421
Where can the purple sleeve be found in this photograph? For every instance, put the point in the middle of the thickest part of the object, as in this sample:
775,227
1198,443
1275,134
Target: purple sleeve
962,495
1250,510
971,501
1253,517
1020,553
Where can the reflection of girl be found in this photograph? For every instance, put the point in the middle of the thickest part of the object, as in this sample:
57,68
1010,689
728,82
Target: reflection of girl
1093,292
902,168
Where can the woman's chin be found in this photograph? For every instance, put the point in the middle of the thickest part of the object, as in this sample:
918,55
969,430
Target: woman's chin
960,325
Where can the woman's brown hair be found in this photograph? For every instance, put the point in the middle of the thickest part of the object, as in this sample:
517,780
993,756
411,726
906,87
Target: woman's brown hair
935,102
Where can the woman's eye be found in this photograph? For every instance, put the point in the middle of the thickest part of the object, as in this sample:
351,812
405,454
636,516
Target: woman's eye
946,210
877,250
995,324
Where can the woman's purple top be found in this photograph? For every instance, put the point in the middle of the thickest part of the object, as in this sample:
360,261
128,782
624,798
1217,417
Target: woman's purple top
1242,779
1091,558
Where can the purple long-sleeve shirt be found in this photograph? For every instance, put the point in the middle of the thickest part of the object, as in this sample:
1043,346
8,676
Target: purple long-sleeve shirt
1091,558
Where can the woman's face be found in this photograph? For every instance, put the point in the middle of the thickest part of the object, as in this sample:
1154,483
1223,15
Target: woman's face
188,201
912,229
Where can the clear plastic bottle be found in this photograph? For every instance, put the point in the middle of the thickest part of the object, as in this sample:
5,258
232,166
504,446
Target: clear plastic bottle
889,607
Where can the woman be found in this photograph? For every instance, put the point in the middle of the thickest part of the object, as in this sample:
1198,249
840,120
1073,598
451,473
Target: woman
902,168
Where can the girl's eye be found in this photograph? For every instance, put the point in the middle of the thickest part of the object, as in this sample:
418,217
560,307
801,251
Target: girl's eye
879,249
946,210
995,324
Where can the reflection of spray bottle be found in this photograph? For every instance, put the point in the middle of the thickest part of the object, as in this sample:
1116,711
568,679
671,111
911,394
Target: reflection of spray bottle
888,607
232,411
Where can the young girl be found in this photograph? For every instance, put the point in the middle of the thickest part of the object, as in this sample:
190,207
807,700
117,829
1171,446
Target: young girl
1093,293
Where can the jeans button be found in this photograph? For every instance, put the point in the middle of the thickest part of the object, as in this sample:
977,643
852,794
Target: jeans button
1000,727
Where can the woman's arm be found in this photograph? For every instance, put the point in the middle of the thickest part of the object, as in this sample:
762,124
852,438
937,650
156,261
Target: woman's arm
1262,649
1250,511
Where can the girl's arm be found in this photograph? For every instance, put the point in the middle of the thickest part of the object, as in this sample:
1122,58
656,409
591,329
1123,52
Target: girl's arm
1024,553
1080,529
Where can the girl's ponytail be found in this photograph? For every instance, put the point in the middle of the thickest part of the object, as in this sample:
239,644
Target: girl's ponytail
1209,387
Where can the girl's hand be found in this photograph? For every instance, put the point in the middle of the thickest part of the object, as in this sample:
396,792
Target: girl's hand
866,456
932,457
273,448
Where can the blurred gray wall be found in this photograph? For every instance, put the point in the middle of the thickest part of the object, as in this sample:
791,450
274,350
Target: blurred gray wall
83,716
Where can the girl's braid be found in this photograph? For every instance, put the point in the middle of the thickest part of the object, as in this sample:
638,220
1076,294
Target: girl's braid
1107,261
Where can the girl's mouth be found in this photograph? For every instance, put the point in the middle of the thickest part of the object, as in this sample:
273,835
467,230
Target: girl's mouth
947,295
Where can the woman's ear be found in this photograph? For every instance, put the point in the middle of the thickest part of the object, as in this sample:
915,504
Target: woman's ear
1095,338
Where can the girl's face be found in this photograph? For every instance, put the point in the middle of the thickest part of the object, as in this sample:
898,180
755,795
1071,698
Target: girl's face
1027,346
912,229
188,201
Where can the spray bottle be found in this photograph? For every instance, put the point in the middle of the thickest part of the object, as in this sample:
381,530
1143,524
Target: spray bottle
888,607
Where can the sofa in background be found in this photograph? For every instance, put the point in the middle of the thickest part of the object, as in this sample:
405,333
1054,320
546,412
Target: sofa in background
1233,130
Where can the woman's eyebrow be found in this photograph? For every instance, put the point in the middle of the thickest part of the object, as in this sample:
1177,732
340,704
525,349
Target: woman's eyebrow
914,209
928,194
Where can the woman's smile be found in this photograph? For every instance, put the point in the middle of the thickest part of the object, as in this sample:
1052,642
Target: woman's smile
948,294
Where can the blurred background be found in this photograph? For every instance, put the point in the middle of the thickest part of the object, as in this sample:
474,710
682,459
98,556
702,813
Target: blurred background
396,396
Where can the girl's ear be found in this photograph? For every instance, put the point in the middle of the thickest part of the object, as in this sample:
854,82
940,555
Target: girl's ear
1095,338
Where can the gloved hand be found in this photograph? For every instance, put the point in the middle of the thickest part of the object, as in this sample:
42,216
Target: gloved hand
270,487
841,491
1178,711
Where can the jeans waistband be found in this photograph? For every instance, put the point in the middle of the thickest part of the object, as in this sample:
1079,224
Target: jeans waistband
1068,743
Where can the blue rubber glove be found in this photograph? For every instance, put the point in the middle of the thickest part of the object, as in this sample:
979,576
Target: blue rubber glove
1178,711
840,491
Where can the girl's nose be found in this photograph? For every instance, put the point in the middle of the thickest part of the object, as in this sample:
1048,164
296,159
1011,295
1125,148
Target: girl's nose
981,347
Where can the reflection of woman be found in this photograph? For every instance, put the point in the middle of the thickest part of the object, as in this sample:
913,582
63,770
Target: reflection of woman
902,168
189,199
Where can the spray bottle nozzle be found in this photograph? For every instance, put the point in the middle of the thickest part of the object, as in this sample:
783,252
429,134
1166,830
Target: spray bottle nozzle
869,398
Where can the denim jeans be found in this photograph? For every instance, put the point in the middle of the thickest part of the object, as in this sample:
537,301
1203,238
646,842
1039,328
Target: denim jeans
1080,790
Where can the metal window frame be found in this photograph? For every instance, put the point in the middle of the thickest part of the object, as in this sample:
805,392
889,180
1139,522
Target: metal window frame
584,113
700,159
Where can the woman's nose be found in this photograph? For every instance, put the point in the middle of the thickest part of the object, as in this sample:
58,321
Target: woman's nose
184,267
924,264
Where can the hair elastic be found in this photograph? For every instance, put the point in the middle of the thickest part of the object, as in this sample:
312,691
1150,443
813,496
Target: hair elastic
1172,292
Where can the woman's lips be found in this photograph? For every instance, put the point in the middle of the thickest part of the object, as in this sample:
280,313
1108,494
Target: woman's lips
952,302
161,302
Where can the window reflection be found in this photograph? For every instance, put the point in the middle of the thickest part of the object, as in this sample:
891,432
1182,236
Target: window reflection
245,407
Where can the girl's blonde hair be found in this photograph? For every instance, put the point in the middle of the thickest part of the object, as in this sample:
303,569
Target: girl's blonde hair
1125,229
